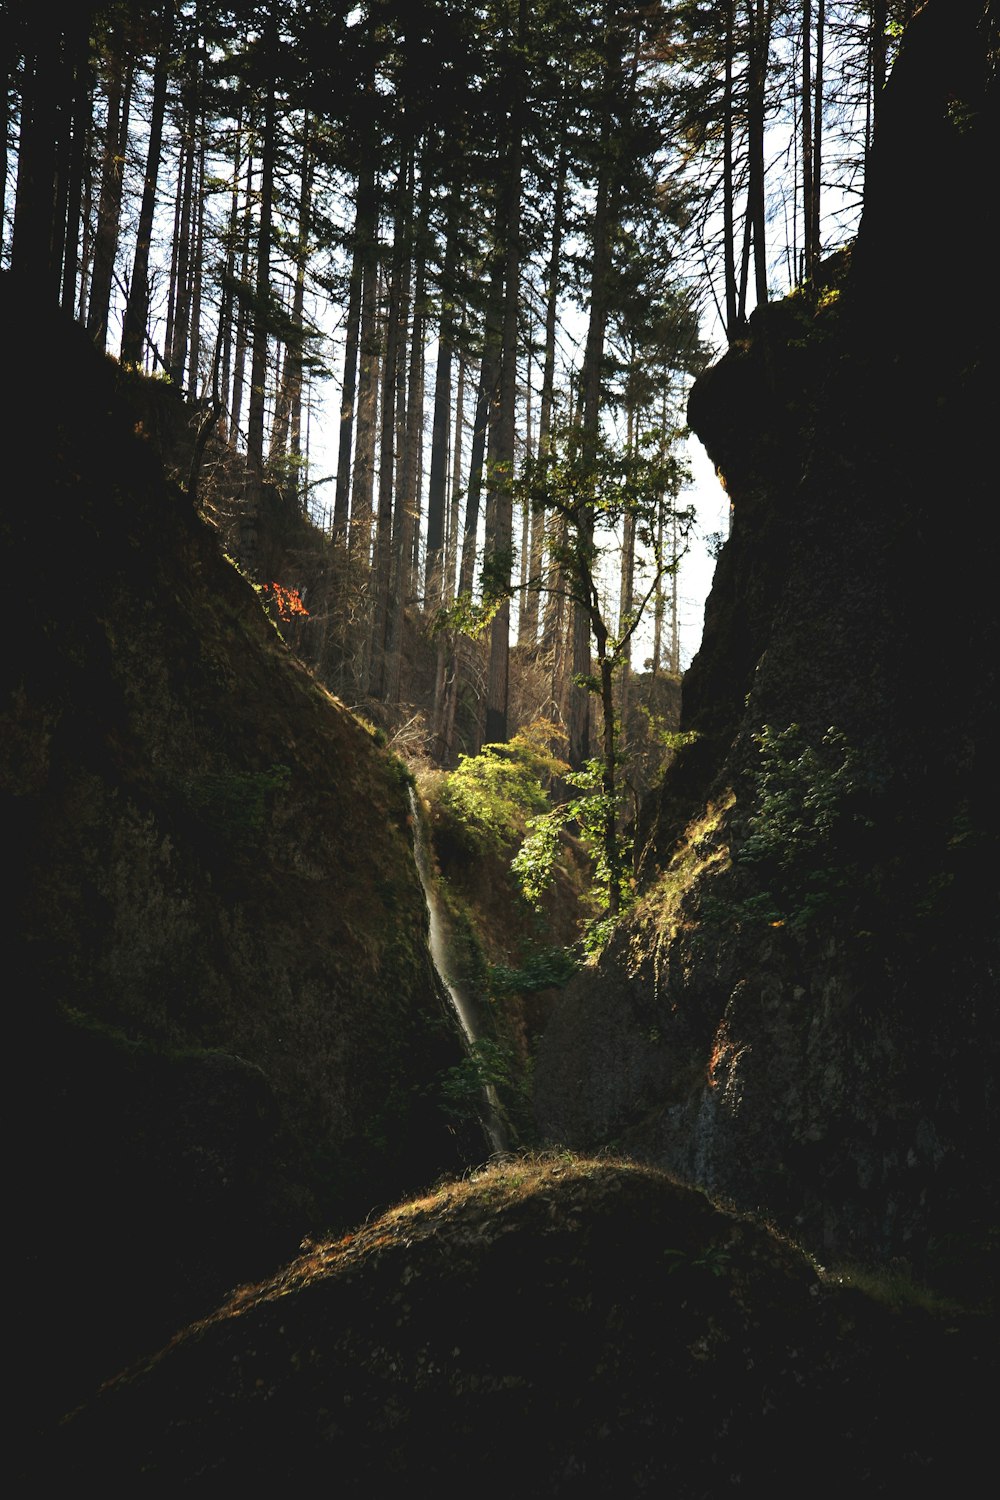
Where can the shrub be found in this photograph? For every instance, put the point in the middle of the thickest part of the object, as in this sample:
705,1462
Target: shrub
495,792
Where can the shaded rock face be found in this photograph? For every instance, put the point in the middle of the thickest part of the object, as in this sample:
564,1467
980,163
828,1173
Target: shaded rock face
226,1024
806,991
555,1328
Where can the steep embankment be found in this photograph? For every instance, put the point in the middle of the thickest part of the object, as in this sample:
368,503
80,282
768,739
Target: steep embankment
562,1328
225,1025
801,1013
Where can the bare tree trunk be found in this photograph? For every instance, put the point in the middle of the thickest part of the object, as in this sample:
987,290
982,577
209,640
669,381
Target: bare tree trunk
79,40
287,412
119,91
363,216
34,230
809,247
455,497
552,610
445,680
817,170
387,445
734,312
441,421
583,520
406,525
500,533
254,477
489,371
134,328
759,16
177,338
242,311
197,263
363,476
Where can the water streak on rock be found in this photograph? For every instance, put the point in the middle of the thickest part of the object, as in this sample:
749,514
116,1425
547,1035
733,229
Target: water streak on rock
437,942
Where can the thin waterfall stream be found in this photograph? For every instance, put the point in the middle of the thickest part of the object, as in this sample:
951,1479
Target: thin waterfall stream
465,1011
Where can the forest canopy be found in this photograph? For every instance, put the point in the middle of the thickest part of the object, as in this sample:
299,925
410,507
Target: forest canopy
466,241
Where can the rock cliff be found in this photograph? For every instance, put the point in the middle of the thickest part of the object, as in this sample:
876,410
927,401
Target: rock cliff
800,1013
226,1027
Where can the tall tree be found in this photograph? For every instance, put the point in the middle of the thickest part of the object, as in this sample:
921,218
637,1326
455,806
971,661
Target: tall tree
499,534
262,292
136,318
118,92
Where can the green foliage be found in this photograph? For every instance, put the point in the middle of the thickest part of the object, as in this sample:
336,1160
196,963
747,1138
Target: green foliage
669,739
806,800
535,861
597,933
546,969
800,796
488,1065
466,615
494,793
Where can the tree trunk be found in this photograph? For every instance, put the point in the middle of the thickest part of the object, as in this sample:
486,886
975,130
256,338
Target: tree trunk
759,16
80,125
500,527
806,106
363,479
455,498
119,91
288,404
441,421
734,313
242,310
387,445
363,214
262,287
34,204
552,609
137,307
406,524
179,322
583,520
817,143
197,263
489,371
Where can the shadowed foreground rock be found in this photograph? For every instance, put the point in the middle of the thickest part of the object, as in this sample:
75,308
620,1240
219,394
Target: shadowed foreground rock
555,1328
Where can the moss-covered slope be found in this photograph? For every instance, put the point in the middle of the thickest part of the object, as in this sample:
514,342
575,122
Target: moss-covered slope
222,1018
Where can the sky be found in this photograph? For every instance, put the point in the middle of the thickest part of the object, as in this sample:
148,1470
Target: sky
698,568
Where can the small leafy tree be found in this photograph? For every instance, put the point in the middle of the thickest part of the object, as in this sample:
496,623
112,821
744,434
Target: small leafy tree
492,795
595,488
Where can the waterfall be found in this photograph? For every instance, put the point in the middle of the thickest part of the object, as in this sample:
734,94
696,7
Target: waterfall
437,942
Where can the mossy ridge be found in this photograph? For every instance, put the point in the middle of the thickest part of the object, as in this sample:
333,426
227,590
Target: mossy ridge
557,1322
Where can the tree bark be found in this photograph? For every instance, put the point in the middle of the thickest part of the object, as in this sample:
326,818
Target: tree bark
254,477
137,307
287,407
119,89
363,214
402,212
441,421
500,522
806,107
817,141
